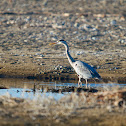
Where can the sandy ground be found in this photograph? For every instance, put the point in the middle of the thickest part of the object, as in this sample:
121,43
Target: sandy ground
95,35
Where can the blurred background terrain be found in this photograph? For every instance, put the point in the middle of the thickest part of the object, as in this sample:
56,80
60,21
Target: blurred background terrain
95,31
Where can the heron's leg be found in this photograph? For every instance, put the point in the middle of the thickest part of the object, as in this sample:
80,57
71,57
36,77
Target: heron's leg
79,82
86,82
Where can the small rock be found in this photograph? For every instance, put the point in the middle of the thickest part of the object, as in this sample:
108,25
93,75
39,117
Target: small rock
113,22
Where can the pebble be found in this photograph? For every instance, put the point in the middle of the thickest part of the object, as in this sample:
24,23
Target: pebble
113,22
94,38
79,52
76,25
123,41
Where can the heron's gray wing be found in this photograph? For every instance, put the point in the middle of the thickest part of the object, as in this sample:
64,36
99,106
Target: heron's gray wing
85,70
93,71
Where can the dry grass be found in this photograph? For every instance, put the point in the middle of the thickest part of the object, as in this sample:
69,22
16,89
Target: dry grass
70,108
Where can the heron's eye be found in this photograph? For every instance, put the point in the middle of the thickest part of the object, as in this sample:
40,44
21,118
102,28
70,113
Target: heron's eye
75,64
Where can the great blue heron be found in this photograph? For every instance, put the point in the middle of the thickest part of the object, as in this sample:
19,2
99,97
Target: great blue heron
82,69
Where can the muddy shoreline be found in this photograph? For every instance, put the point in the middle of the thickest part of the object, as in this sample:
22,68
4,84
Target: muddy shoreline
57,75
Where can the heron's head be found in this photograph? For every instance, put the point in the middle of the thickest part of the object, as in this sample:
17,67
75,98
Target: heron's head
63,42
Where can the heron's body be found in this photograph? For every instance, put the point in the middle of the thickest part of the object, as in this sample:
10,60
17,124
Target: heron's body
82,69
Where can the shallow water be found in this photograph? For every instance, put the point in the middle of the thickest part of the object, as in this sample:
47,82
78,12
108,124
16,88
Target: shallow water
60,84
28,93
23,88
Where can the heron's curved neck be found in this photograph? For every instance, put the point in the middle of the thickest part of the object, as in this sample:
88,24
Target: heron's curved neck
70,59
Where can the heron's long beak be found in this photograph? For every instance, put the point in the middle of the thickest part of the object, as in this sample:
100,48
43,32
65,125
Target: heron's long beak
52,43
